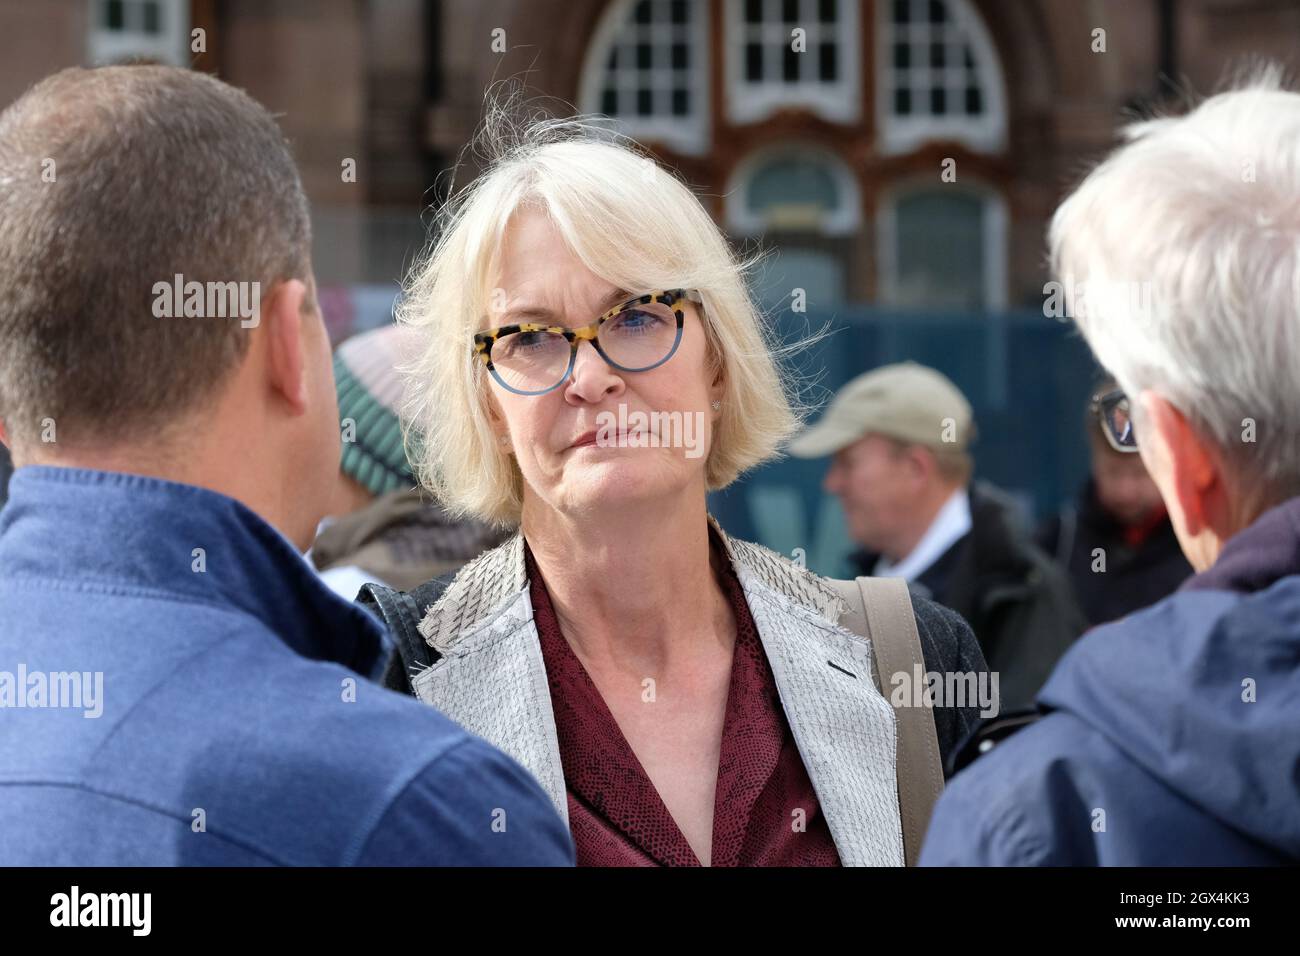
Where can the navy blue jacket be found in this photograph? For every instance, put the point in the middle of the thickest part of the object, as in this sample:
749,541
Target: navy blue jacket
1153,751
216,705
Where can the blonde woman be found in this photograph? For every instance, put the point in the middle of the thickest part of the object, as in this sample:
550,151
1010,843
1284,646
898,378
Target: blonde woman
590,366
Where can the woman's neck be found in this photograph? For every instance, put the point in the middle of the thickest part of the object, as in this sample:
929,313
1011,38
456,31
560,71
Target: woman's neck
634,589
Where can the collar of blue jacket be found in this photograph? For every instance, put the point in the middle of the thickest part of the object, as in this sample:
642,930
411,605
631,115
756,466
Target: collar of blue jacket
1256,556
184,690
136,533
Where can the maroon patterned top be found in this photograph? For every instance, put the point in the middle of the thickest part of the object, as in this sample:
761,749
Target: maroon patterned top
615,814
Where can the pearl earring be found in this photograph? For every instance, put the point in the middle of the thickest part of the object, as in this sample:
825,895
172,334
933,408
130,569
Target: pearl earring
715,405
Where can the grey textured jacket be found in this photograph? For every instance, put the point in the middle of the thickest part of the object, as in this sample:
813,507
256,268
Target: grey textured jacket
489,676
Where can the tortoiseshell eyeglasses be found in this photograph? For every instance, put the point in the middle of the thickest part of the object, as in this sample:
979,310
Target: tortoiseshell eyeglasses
529,358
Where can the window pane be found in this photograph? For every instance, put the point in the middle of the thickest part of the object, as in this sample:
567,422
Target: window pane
753,62
932,56
753,11
647,68
818,271
940,254
790,11
792,182
114,15
790,64
826,11
152,17
829,66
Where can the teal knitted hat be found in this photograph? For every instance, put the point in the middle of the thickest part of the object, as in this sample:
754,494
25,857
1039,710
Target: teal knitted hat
365,376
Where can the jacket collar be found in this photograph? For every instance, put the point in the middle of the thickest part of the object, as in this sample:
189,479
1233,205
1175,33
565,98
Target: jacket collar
988,564
138,534
492,679
488,584
1256,556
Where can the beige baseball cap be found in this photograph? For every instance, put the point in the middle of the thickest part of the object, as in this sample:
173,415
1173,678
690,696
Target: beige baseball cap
907,401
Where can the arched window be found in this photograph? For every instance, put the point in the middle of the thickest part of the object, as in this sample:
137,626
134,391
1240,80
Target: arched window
939,76
155,30
646,67
793,188
943,247
802,53
806,203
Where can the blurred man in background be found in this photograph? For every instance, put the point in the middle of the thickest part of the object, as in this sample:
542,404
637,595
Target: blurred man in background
899,437
1172,735
172,466
1116,543
381,529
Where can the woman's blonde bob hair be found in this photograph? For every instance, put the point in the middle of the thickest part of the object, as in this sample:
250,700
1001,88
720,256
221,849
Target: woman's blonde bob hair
632,224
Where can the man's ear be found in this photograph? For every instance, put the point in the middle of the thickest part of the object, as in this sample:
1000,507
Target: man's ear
921,463
4,435
1193,470
283,316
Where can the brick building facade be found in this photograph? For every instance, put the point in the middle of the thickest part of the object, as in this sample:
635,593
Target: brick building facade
833,152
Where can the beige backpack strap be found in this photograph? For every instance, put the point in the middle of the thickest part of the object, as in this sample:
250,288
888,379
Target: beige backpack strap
880,609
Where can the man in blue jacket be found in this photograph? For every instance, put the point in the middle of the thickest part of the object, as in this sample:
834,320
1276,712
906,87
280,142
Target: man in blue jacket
1172,736
176,684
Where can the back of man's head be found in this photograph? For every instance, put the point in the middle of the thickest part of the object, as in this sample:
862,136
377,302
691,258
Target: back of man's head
144,209
1180,258
117,179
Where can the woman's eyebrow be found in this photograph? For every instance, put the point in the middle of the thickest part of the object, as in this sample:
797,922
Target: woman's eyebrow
528,311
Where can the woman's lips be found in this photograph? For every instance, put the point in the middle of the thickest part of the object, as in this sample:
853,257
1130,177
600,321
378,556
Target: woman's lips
616,440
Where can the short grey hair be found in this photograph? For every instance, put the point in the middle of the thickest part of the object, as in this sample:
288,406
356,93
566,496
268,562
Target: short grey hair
1180,259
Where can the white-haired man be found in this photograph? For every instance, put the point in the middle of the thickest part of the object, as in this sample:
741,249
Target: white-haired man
1172,735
